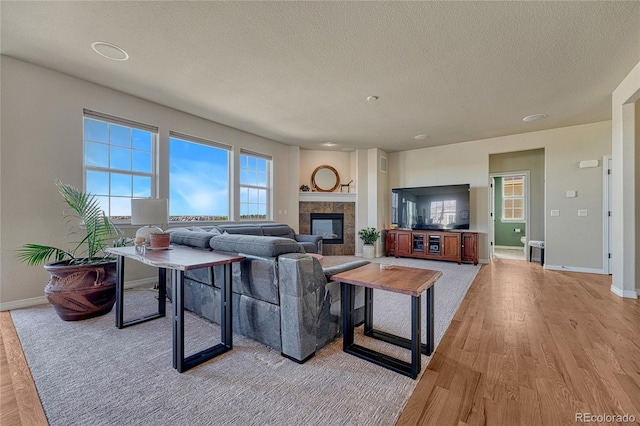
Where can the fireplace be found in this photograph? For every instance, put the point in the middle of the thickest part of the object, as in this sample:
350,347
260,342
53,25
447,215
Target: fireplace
329,225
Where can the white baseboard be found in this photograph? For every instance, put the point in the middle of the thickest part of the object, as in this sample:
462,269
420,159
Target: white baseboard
628,294
41,300
510,247
574,269
23,303
141,283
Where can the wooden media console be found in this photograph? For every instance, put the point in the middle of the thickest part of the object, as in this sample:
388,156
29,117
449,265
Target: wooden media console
453,246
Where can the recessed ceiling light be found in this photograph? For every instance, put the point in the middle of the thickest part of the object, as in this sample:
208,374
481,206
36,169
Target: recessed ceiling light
109,51
534,117
372,98
329,144
421,136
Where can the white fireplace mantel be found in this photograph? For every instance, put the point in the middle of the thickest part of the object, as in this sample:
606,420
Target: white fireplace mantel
328,196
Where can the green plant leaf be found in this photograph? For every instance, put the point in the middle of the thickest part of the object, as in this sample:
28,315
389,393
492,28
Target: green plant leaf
36,254
98,231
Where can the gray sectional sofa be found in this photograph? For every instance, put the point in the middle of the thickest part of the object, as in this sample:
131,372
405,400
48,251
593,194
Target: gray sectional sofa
281,297
310,243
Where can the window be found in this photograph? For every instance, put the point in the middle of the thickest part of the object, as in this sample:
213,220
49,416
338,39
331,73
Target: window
443,212
118,161
513,198
255,177
198,179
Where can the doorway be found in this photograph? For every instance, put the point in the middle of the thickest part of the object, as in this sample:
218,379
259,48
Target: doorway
509,213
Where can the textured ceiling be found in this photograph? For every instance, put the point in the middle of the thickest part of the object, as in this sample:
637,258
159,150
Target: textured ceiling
299,72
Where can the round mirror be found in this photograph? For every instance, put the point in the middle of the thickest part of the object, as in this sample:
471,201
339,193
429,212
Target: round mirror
325,179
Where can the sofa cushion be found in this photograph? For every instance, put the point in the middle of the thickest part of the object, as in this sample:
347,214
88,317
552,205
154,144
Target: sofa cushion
254,245
241,229
278,230
184,236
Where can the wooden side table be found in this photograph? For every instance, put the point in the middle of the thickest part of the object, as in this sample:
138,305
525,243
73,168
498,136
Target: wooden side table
399,279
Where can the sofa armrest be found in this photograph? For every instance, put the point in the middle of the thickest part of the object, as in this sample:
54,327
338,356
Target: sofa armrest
311,243
302,290
308,238
333,270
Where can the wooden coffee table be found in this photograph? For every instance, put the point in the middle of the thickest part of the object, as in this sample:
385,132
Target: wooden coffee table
178,260
399,279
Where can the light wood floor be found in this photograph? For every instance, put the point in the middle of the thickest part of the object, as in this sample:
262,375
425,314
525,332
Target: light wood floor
532,347
527,346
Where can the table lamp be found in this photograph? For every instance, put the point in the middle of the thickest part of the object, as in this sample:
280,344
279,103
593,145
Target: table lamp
149,212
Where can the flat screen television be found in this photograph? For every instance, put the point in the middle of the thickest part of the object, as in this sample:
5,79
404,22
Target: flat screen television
431,207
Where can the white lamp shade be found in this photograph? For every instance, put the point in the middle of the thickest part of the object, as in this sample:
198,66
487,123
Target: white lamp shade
149,211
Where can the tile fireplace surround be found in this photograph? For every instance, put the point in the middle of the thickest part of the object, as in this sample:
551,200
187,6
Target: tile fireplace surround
346,208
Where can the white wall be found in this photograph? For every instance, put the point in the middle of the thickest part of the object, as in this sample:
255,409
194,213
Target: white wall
572,244
41,140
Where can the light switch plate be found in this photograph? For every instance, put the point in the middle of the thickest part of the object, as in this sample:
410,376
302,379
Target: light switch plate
555,212
572,194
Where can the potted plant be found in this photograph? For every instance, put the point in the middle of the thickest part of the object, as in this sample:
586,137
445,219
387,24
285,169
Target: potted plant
369,236
83,279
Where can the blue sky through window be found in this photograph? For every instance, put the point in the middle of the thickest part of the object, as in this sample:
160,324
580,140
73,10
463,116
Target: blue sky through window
198,179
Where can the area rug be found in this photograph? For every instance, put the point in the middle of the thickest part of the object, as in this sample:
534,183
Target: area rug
90,372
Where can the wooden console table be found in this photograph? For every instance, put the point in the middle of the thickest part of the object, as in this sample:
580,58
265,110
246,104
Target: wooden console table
399,279
179,260
455,246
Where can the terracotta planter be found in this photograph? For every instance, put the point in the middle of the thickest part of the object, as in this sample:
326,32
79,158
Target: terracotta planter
159,240
79,292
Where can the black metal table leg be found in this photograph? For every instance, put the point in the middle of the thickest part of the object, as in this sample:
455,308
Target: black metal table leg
430,345
162,291
416,335
181,363
120,292
348,315
411,369
426,348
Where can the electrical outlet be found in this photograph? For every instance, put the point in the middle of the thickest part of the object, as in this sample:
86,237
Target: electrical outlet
555,212
582,212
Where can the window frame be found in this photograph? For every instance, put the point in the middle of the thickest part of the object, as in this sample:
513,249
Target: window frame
208,143
513,198
123,122
268,186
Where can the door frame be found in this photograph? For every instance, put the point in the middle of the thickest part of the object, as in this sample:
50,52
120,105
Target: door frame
607,165
527,208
